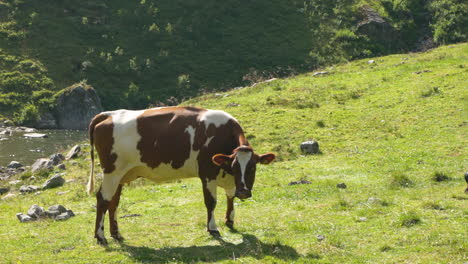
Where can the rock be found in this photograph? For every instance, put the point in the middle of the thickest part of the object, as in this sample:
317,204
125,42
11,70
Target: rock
15,182
362,219
14,165
233,105
56,158
46,120
370,61
37,193
24,218
76,105
130,215
376,29
35,135
310,147
299,182
62,193
65,216
61,167
320,73
36,211
8,196
55,181
4,190
341,185
374,200
73,153
320,237
28,188
52,214
58,208
41,164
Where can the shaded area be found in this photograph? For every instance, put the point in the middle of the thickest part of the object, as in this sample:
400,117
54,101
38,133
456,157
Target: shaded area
251,246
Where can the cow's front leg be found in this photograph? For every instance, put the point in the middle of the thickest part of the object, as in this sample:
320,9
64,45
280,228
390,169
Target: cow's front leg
114,203
230,193
209,193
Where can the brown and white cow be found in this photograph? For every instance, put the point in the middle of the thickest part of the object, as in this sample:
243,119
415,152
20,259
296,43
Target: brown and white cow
166,144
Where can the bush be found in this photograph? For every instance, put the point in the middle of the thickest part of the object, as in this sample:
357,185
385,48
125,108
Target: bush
440,177
27,116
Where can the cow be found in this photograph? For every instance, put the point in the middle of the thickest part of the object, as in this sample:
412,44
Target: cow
167,144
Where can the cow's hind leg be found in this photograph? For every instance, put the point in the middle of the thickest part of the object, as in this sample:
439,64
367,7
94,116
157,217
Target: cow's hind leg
230,193
209,193
113,205
104,197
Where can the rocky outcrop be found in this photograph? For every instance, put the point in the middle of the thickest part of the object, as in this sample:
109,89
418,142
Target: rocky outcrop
375,27
76,105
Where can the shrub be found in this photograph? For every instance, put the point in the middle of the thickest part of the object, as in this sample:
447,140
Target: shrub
28,115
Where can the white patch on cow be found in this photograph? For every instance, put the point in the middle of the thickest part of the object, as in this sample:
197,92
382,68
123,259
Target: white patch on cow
243,157
215,117
211,186
208,141
191,131
100,230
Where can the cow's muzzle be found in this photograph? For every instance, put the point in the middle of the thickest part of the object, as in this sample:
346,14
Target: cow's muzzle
243,194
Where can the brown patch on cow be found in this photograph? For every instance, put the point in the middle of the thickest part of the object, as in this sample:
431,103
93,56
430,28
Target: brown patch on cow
103,141
164,138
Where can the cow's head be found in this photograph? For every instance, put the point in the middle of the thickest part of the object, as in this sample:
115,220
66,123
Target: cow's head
242,164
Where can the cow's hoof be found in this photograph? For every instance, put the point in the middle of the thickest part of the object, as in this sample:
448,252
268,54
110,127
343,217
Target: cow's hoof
101,241
230,224
214,233
118,238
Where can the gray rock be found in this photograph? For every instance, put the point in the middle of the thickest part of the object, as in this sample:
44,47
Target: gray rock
4,190
73,153
374,200
58,208
56,158
320,237
14,165
8,196
76,105
52,214
320,73
65,216
41,164
299,182
362,219
46,120
370,61
15,182
36,211
62,167
24,218
341,185
310,147
55,181
35,135
28,188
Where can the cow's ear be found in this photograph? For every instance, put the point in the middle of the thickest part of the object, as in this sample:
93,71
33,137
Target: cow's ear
222,160
266,158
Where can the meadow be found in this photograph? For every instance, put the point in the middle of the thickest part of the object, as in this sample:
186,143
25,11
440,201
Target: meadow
392,129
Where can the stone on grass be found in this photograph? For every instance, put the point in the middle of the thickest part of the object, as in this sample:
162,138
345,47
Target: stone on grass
4,190
28,188
14,165
320,237
299,182
341,185
35,135
41,164
61,166
56,158
55,181
362,219
320,73
58,208
36,211
73,153
24,218
14,182
310,147
8,196
64,216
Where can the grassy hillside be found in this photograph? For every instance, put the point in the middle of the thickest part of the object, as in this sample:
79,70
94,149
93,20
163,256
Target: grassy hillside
394,131
140,53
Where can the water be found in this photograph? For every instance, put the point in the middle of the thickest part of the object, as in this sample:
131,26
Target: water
27,150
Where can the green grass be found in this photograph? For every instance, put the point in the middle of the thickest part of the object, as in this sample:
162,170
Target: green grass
378,133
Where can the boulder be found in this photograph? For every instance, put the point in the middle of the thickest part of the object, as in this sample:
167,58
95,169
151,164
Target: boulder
56,158
61,167
36,211
46,120
58,208
35,135
55,181
310,147
28,188
24,218
41,164
4,190
76,106
73,153
376,29
14,165
64,216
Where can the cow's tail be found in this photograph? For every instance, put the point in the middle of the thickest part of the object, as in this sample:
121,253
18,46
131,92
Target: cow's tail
97,119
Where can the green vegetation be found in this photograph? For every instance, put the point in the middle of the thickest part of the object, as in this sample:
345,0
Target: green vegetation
374,129
141,53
